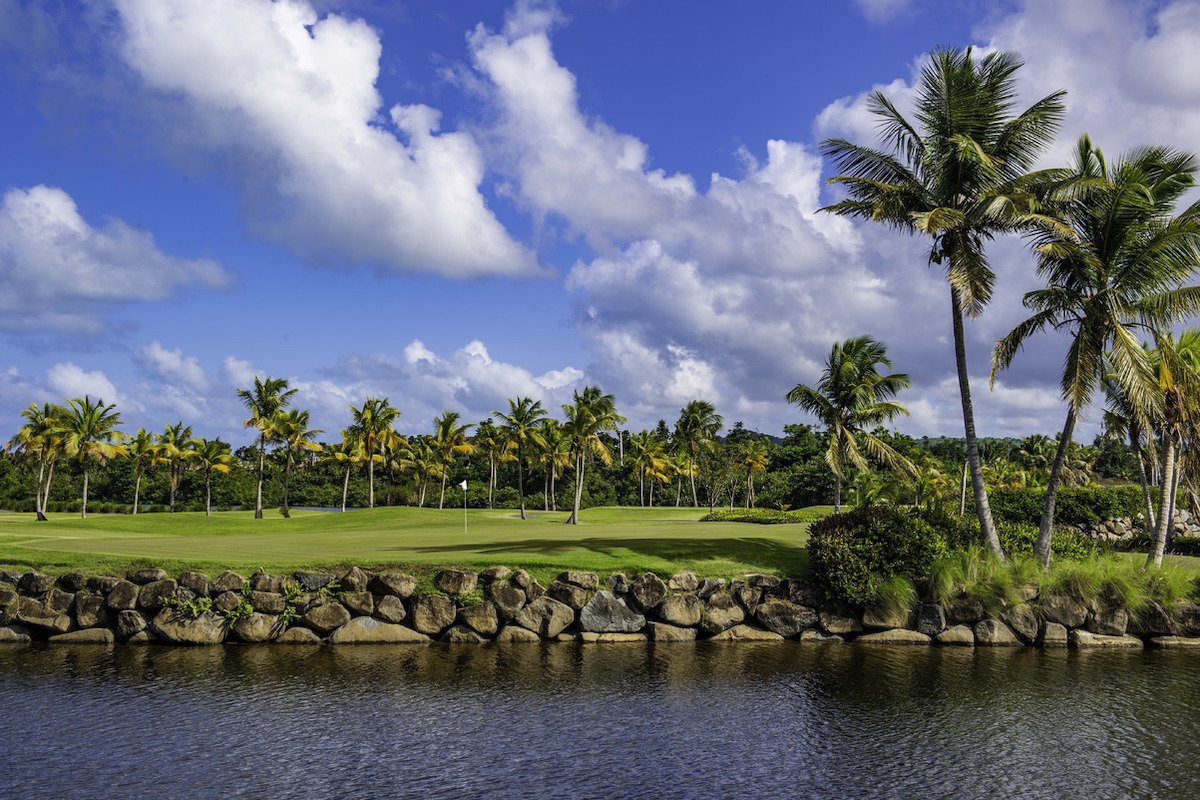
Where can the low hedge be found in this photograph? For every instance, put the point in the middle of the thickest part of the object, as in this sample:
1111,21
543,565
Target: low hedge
1074,505
761,516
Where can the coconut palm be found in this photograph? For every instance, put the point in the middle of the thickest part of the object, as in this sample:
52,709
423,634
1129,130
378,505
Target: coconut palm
1114,262
449,439
1123,421
41,437
644,448
209,456
174,447
294,435
696,428
523,422
348,453
754,457
90,434
1175,367
850,398
372,423
494,443
591,414
554,456
421,461
955,173
264,402
142,450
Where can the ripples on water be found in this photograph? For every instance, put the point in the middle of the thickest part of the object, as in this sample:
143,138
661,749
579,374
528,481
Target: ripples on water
680,721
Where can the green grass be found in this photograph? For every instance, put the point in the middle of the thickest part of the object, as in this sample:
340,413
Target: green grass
662,540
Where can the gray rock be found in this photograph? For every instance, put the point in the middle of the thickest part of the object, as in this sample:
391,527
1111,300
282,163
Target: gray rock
683,610
885,618
313,581
533,591
431,613
128,623
123,596
177,628
902,636
461,634
102,584
1054,635
818,636
720,614
799,592
227,601
1162,642
648,591
32,611
840,622
34,583
964,610
85,636
509,599
662,632
150,575
197,582
748,597
1106,618
605,613
481,618
957,635
227,581
994,633
354,580
267,602
8,605
298,635
390,608
1186,614
325,618
584,580
617,583
89,610
1153,620
760,580
575,596
1024,621
365,630
456,581
359,604
546,617
591,637
58,600
521,578
515,633
394,583
1064,610
71,582
1082,639
10,577
257,628
150,597
142,637
683,582
785,617
494,574
709,586
745,633
10,636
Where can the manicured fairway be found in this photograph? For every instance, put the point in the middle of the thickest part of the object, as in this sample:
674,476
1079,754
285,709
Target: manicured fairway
662,540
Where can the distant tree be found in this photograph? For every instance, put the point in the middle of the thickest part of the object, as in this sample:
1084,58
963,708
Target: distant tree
209,456
523,423
591,414
90,434
372,423
174,448
264,402
142,451
41,438
696,428
449,439
295,436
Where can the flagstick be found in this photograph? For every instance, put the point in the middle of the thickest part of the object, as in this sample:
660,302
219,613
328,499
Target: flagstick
464,488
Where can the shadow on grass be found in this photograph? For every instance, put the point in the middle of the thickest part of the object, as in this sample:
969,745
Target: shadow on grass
769,554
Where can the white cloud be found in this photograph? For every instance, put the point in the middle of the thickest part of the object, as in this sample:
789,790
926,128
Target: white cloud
880,11
291,96
68,380
171,366
60,274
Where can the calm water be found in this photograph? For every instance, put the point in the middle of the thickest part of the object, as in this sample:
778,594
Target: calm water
563,721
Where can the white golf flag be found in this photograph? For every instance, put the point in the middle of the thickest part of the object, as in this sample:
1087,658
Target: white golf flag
463,486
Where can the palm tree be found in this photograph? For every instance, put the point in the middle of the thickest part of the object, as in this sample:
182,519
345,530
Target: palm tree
41,437
211,455
496,445
1114,262
292,432
449,440
422,462
174,447
1175,367
371,424
755,456
264,402
90,434
591,414
698,424
348,453
1122,420
680,465
645,447
142,451
957,177
851,398
554,456
522,422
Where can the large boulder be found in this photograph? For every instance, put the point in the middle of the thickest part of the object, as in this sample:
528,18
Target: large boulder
359,604
32,611
1054,635
1153,620
366,630
227,581
591,637
148,575
89,610
1063,609
840,622
150,598
1023,620
509,599
123,596
461,634
709,586
267,602
58,600
431,613
902,636
1186,614
662,632
617,583
682,610
747,597
71,581
394,583
34,583
266,582
128,623
494,574
785,617
648,591
177,628
886,618
325,618
481,618
85,636
10,636
298,635
683,582
1107,618
575,596
1082,640
761,580
584,580
257,628
455,581
964,610
546,617
515,633
354,580
745,633
390,608
720,614
8,605
226,601
818,636
957,635
313,581
1175,642
607,613
197,582
994,633
102,584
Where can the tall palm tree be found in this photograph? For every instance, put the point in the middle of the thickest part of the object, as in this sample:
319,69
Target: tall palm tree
348,453
142,451
449,439
696,428
264,402
644,447
523,421
1175,370
955,174
494,443
295,436
554,456
174,447
371,424
211,455
1114,263
591,414
1123,421
755,456
41,437
851,398
90,434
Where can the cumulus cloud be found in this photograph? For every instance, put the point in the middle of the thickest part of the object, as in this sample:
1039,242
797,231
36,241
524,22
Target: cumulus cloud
171,365
880,11
326,173
59,273
66,379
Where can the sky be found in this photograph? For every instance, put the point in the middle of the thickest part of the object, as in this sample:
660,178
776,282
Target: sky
453,204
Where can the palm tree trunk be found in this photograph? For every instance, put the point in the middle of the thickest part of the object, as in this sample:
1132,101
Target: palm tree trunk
521,476
1045,541
345,487
553,495
1164,503
491,481
371,478
642,490
546,487
442,497
962,498
678,491
574,518
262,463
137,490
837,493
692,479
987,526
46,492
39,506
1174,493
83,506
287,478
1149,523
207,495
651,494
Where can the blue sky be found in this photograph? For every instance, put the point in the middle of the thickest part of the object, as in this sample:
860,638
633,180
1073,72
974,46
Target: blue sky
454,203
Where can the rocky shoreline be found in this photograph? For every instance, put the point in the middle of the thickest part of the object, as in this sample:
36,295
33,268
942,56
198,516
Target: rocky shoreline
496,604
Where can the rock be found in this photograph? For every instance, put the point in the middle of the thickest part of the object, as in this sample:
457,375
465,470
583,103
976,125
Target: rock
123,596
1024,620
607,613
8,605
533,591
662,632
71,582
515,633
884,618
298,635
840,622
227,581
494,574
85,636
1107,618
257,628
325,618
394,583
142,637
58,600
184,595
957,635
89,610
683,582
748,597
313,581
745,633
1054,635
591,637
994,633
546,617
266,582
521,578
150,597
32,584
10,636
102,584
32,611
461,634
509,599
129,623
10,577
575,596
365,630
267,602
1064,610
567,637
481,618
647,591
683,610
785,617
720,614
431,613
800,593
1163,642
144,576
1186,614
584,580
617,583
359,604
456,581
177,628
1082,640
390,609
818,636
1153,620
709,586
198,582
227,601
895,636
760,580
354,580
964,610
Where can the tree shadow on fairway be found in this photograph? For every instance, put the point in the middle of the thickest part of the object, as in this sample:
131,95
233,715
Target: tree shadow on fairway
770,554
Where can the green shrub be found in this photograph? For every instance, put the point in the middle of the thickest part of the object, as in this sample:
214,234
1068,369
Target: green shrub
761,516
1074,505
1183,545
1018,539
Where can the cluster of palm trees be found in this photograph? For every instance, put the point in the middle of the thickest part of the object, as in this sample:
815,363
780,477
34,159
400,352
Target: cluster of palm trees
1107,238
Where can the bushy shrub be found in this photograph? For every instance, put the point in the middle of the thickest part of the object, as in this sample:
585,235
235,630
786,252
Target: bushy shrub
1019,538
1074,505
1184,545
761,516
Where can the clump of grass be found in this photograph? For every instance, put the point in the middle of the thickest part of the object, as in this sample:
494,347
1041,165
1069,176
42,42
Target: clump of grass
978,573
896,595
1169,584
1117,581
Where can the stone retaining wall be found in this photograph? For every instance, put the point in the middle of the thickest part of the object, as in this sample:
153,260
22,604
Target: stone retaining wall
1125,528
361,607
